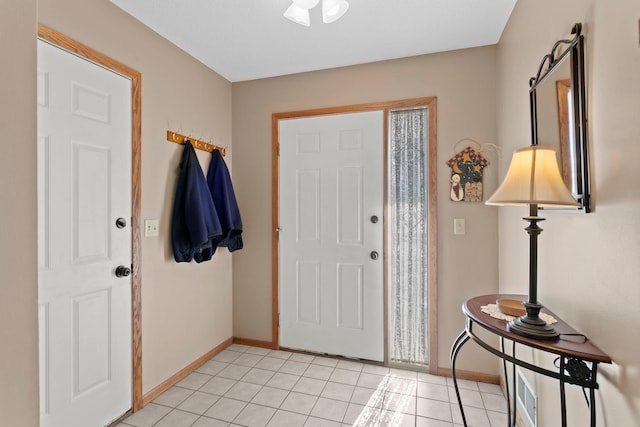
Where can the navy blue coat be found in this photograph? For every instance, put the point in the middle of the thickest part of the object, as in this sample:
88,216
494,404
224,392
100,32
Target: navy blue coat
194,226
224,199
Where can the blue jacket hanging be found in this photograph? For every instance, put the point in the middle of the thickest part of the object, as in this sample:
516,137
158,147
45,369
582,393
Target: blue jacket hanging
194,225
224,200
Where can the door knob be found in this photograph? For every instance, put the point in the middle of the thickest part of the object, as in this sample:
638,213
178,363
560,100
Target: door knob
121,222
374,255
122,271
374,219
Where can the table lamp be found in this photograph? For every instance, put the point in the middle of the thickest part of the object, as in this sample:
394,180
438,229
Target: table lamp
533,179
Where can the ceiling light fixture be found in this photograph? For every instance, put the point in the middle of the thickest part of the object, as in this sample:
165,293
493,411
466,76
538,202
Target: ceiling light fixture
332,10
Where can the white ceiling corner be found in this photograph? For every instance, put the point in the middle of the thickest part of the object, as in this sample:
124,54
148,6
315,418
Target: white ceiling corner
250,39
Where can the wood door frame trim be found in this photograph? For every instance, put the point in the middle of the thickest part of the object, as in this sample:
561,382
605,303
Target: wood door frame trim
431,104
54,37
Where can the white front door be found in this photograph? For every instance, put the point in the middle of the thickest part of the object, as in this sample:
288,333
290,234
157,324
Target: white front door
84,234
331,234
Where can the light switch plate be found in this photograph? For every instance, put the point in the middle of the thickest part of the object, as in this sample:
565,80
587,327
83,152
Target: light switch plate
151,228
459,226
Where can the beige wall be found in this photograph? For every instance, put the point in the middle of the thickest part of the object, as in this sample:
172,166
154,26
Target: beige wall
464,83
186,308
588,269
18,239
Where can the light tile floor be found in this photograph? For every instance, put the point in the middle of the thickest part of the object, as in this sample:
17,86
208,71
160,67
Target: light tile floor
256,387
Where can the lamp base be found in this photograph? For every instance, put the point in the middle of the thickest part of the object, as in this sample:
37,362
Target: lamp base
531,325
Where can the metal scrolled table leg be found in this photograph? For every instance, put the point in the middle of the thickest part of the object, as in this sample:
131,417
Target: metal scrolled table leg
511,418
515,386
563,399
455,348
592,394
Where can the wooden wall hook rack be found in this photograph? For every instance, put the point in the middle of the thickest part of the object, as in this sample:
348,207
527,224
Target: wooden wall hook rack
197,144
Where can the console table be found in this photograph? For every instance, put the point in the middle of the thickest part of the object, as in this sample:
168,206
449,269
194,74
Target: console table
578,358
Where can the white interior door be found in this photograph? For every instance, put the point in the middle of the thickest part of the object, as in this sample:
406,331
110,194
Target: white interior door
84,186
331,187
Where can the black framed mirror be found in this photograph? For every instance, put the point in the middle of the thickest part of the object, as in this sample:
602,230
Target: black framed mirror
559,112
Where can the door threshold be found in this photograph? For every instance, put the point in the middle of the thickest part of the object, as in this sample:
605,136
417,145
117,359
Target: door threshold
333,356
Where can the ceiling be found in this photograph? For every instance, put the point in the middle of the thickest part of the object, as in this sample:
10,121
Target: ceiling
250,39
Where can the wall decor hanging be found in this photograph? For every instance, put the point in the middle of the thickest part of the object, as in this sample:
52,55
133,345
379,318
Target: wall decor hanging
467,167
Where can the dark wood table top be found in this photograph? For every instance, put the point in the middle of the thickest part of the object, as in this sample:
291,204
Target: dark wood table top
570,344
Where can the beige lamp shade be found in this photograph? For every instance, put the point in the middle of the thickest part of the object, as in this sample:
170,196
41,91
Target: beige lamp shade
533,178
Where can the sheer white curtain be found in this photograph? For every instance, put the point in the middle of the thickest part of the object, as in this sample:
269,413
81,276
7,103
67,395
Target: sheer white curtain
408,176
